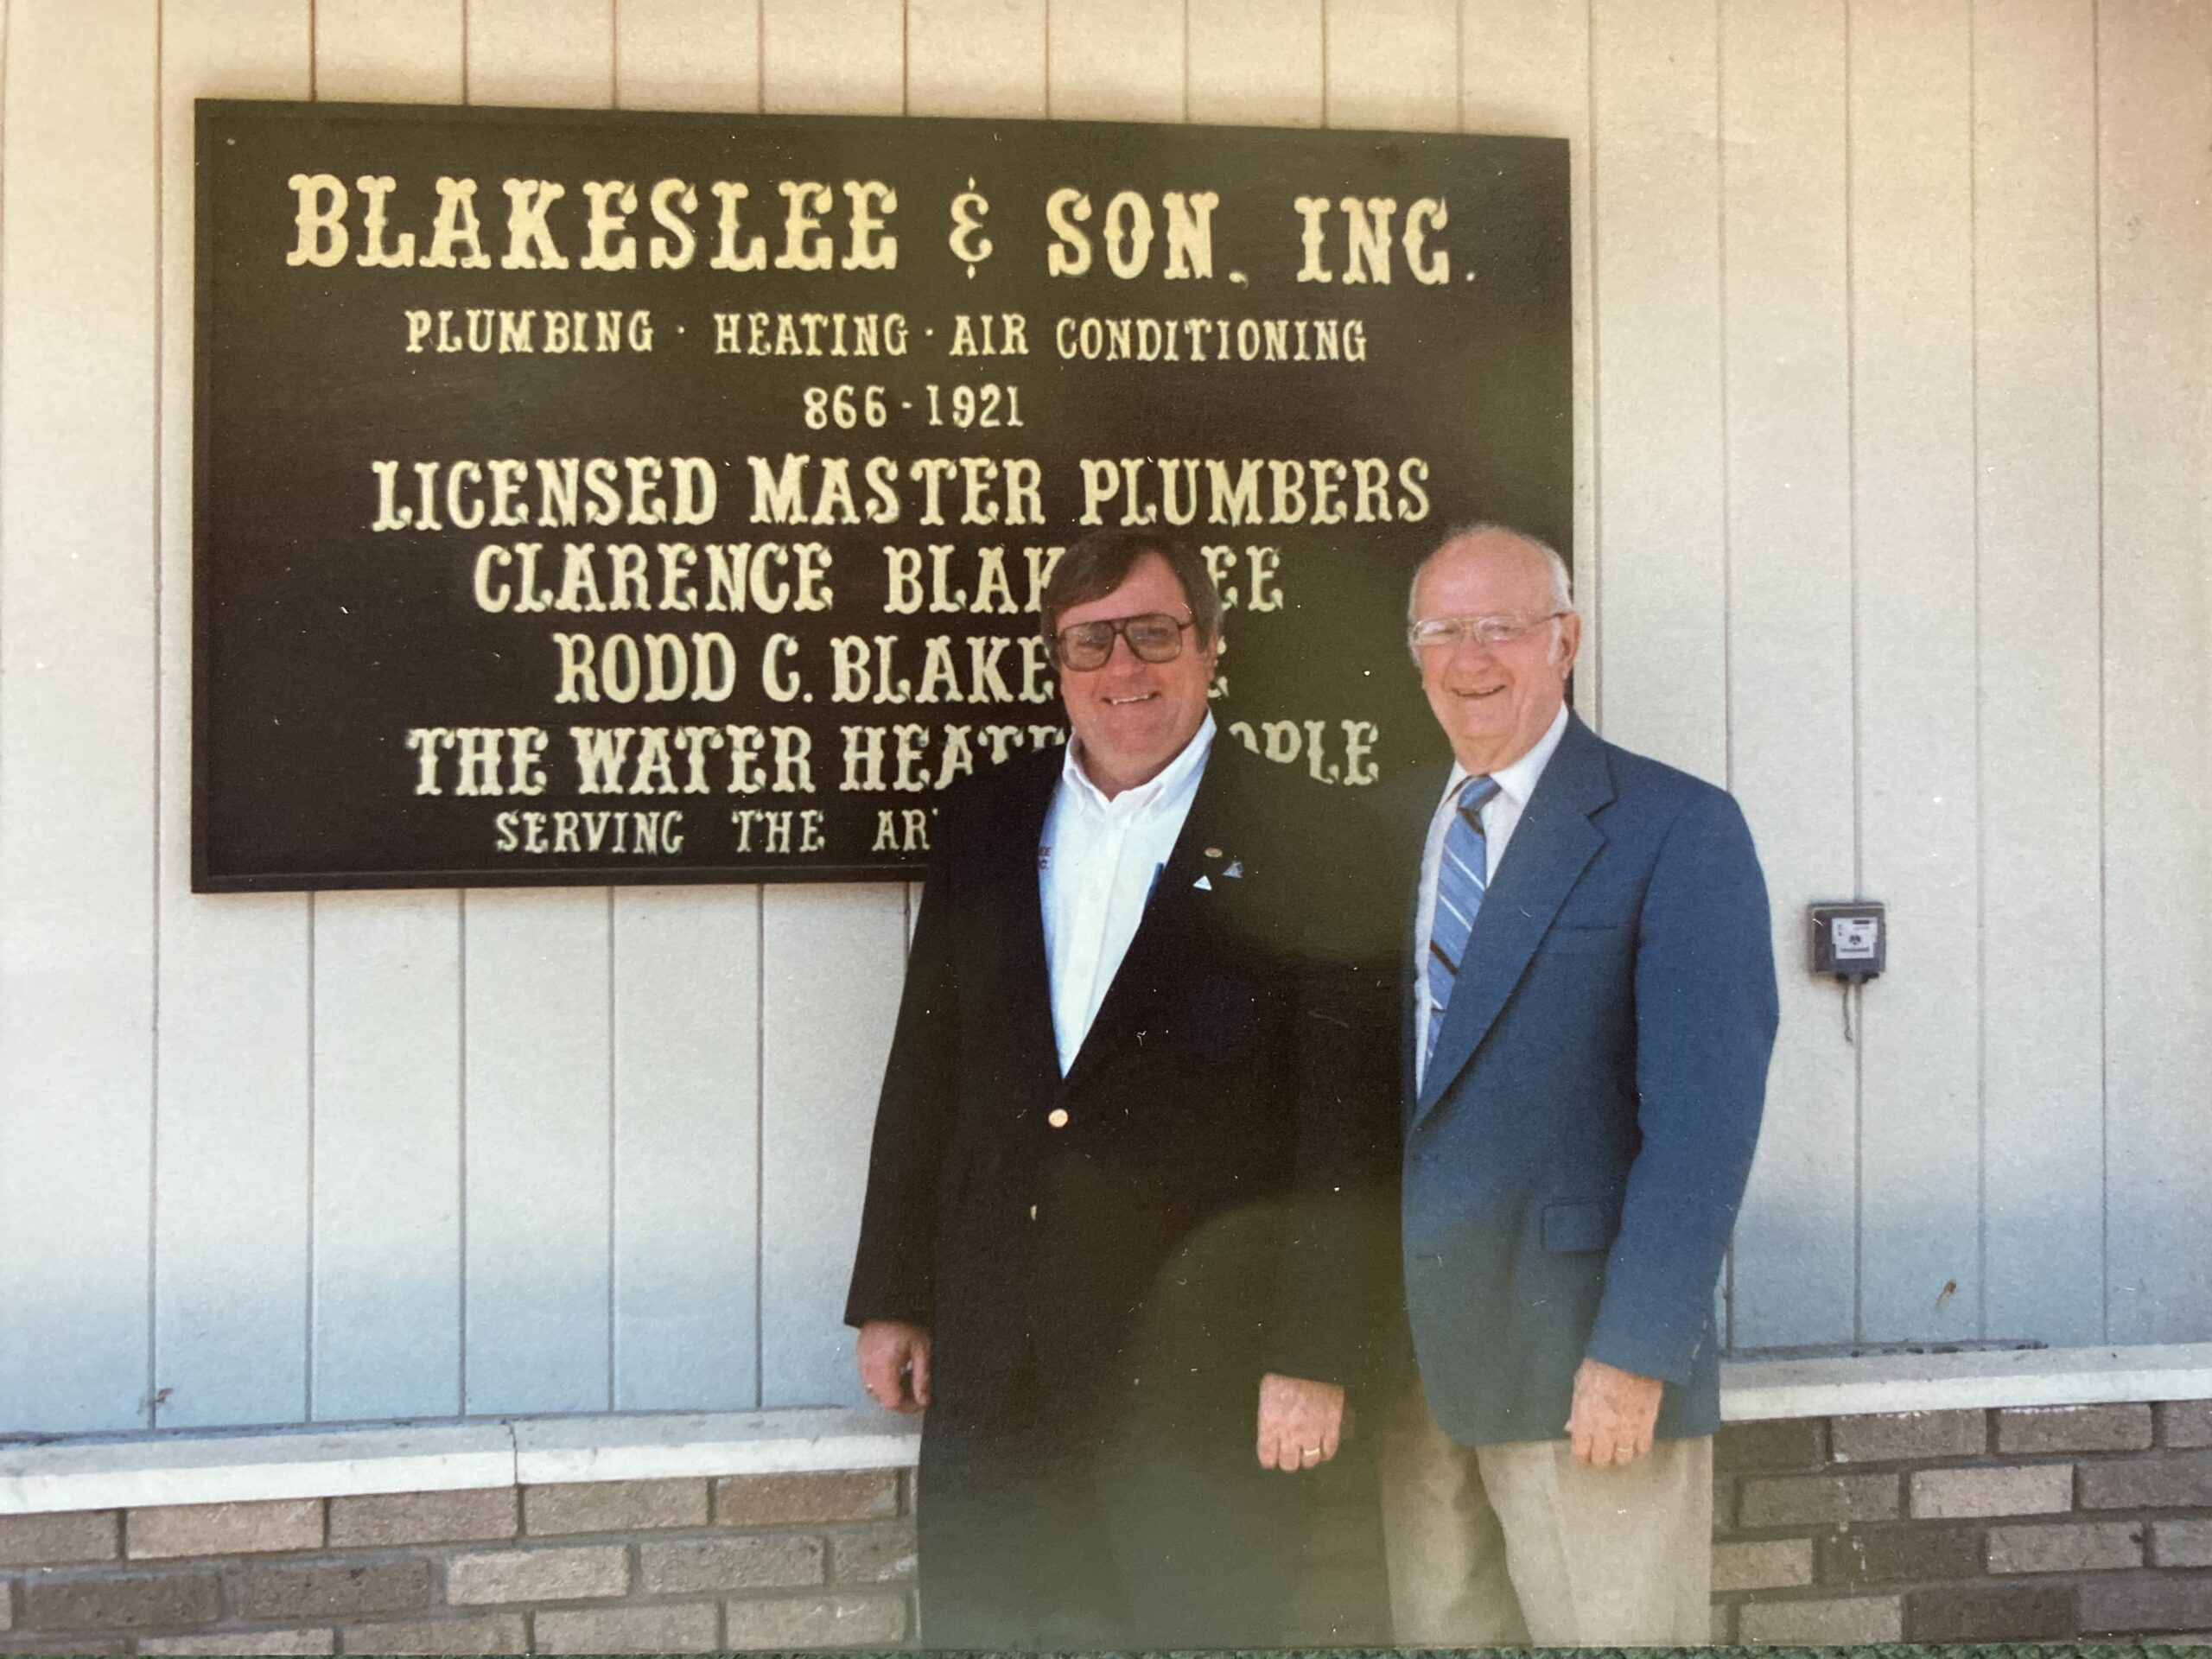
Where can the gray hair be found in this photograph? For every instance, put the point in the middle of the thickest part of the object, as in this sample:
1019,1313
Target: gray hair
1562,579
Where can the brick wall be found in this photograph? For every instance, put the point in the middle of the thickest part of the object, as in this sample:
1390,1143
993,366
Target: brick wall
665,1566
2019,1524
2011,1525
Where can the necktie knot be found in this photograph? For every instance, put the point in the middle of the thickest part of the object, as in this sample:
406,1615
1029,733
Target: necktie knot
1477,793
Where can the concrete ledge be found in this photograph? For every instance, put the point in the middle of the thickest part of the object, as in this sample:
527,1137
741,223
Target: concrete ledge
1758,1390
119,1472
553,1450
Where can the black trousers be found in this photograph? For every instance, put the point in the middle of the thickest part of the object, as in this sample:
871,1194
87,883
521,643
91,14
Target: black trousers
1153,1529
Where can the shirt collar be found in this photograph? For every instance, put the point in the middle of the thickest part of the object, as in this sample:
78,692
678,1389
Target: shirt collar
1176,778
1517,781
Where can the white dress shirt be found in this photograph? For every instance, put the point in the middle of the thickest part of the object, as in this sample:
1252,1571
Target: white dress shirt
1500,815
1097,864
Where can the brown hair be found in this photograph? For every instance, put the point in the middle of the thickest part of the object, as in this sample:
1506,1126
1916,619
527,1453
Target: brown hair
1101,561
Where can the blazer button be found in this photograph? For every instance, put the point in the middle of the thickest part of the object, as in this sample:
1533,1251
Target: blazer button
1057,1117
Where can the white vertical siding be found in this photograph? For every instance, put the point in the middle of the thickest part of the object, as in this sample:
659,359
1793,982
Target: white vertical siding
230,1143
686,964
1892,454
1786,380
539,1004
1524,68
79,589
830,954
2154,238
388,1221
1661,624
2035,262
1912,433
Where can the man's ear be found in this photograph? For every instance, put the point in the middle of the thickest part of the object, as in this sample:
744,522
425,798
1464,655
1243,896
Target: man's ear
1569,643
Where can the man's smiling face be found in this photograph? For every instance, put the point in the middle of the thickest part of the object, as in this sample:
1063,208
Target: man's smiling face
1494,702
1131,717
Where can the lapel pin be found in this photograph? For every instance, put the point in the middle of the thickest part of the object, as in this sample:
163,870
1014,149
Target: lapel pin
1235,868
1203,885
1213,852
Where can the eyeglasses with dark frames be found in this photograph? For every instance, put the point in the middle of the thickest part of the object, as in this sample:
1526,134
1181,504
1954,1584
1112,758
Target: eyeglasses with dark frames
1153,637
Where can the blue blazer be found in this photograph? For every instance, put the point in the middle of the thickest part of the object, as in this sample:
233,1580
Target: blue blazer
1575,1157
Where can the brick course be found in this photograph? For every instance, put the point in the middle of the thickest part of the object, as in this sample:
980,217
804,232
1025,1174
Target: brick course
2181,1543
800,1500
254,1642
584,1573
1901,1554
336,1589
2185,1422
137,1601
687,1628
389,1520
1769,1564
1902,1436
1818,1500
881,1554
2177,1481
223,1529
2074,1428
2034,1614
1850,1622
480,1633
1786,1443
614,1506
746,1563
60,1539
2025,1489
841,1620
2146,1602
2076,1546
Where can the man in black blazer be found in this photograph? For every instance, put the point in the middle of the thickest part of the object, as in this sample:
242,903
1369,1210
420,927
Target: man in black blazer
1589,1013
1109,1152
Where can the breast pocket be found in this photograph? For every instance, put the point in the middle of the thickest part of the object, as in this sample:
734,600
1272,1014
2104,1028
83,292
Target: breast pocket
1569,939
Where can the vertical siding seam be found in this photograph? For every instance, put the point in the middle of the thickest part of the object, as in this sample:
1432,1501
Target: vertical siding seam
1980,748
1186,62
1727,510
906,60
152,1407
1048,59
313,91
614,71
2104,865
1858,708
461,993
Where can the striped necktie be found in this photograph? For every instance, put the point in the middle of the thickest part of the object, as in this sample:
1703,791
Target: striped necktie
1462,875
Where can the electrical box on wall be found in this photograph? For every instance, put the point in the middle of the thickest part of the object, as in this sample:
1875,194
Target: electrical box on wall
1850,940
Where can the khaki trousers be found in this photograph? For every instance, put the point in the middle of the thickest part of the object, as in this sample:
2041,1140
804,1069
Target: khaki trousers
1501,1546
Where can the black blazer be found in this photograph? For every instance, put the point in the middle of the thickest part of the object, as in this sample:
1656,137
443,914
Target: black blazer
1191,1224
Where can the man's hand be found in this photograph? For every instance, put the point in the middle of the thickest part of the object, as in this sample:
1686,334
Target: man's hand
894,1360
1300,1422
1614,1411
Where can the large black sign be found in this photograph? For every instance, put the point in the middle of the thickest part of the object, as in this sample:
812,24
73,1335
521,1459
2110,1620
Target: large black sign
589,497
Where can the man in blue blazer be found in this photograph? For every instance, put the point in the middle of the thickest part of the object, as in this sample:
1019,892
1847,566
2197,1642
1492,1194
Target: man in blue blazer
1589,1010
